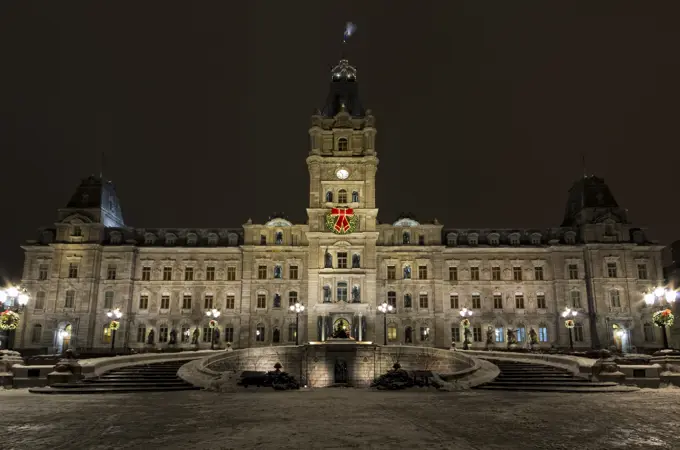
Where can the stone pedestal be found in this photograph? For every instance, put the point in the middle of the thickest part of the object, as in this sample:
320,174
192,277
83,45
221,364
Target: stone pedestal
8,358
606,369
67,370
669,360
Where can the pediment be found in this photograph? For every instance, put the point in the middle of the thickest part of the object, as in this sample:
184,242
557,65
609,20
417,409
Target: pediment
76,219
344,244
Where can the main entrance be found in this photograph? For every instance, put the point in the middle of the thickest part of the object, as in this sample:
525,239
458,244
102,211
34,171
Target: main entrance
340,371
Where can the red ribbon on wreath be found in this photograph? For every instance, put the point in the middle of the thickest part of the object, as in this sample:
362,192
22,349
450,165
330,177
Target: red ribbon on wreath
342,216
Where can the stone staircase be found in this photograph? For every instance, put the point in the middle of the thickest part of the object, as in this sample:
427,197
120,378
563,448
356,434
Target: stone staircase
525,376
155,377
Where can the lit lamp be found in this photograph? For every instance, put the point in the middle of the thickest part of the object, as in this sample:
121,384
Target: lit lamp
385,308
114,315
465,313
570,314
13,299
663,318
297,308
213,314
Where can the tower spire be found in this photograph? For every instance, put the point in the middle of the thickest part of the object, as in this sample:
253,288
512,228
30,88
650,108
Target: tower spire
583,164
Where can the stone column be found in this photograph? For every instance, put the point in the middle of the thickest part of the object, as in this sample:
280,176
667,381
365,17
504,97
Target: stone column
360,329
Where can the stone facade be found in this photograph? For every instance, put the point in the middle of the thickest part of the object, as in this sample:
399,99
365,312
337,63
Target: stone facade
166,279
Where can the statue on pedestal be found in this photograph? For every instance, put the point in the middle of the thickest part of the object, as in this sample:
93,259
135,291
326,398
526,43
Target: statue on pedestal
173,337
194,337
151,339
489,337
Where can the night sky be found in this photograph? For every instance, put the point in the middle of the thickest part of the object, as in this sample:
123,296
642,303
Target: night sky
483,108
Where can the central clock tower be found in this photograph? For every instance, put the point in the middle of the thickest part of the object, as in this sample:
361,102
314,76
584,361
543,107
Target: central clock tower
342,214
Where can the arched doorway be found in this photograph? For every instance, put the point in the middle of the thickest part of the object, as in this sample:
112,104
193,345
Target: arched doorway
341,329
620,337
63,336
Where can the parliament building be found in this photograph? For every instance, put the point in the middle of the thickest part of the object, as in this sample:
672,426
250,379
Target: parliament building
341,265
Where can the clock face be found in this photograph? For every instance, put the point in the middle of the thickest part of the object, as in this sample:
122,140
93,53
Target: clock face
342,174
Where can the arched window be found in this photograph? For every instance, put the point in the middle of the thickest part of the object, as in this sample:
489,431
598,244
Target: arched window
406,238
408,335
163,333
36,334
276,336
392,332
292,331
355,197
329,196
342,196
192,239
279,237
212,239
259,332
342,145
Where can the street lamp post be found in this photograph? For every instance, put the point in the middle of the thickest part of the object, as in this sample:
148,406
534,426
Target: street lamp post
213,314
115,316
385,308
569,314
13,299
297,308
465,313
660,295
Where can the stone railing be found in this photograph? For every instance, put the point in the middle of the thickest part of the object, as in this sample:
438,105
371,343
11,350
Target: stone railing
96,366
582,367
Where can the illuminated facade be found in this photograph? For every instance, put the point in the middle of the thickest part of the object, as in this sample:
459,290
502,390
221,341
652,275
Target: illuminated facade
341,265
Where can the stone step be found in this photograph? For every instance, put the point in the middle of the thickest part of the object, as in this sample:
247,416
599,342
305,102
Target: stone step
118,384
558,372
150,372
532,379
537,375
129,380
574,389
109,390
498,382
138,379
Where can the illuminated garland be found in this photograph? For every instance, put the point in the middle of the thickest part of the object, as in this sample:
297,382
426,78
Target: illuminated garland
341,220
9,320
663,318
114,325
212,324
569,323
465,323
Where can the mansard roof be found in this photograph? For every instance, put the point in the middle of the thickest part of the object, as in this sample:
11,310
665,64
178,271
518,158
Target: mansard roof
591,193
97,198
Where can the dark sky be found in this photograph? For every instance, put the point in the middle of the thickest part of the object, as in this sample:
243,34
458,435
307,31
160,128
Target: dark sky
483,108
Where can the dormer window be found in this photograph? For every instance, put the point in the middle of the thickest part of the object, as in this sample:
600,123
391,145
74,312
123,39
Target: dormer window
170,239
342,196
451,239
149,239
493,239
570,238
514,239
77,231
329,196
212,239
355,197
406,238
472,239
115,237
192,239
343,145
536,239
279,238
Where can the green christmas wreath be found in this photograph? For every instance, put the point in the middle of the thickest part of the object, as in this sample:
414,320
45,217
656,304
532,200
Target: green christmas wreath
341,220
569,323
114,325
212,324
465,323
663,318
9,320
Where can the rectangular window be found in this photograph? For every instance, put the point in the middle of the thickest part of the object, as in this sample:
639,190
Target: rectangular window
293,272
499,335
575,299
141,334
476,301
642,271
231,300
578,332
455,334
392,333
143,302
342,292
167,273
42,271
392,299
615,299
228,334
207,334
165,302
611,270
186,301
189,274
538,273
146,273
39,301
517,273
648,331
70,300
342,260
521,334
208,302
497,301
262,272
422,272
421,240
36,335
453,273
111,272
573,271
231,273
391,273
259,334
163,334
73,270
108,300
423,301
496,273
540,301
453,299
292,298
210,274
542,334
261,301
519,301
474,273
424,334
477,334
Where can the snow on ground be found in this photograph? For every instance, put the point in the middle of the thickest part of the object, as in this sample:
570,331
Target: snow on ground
337,418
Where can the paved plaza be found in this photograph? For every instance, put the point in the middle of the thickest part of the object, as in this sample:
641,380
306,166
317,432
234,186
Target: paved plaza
341,418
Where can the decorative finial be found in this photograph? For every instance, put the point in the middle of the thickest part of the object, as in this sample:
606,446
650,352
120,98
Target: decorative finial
350,28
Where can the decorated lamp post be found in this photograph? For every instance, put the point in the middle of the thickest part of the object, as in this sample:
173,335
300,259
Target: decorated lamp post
213,314
385,308
114,315
569,315
663,318
297,308
13,299
465,313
